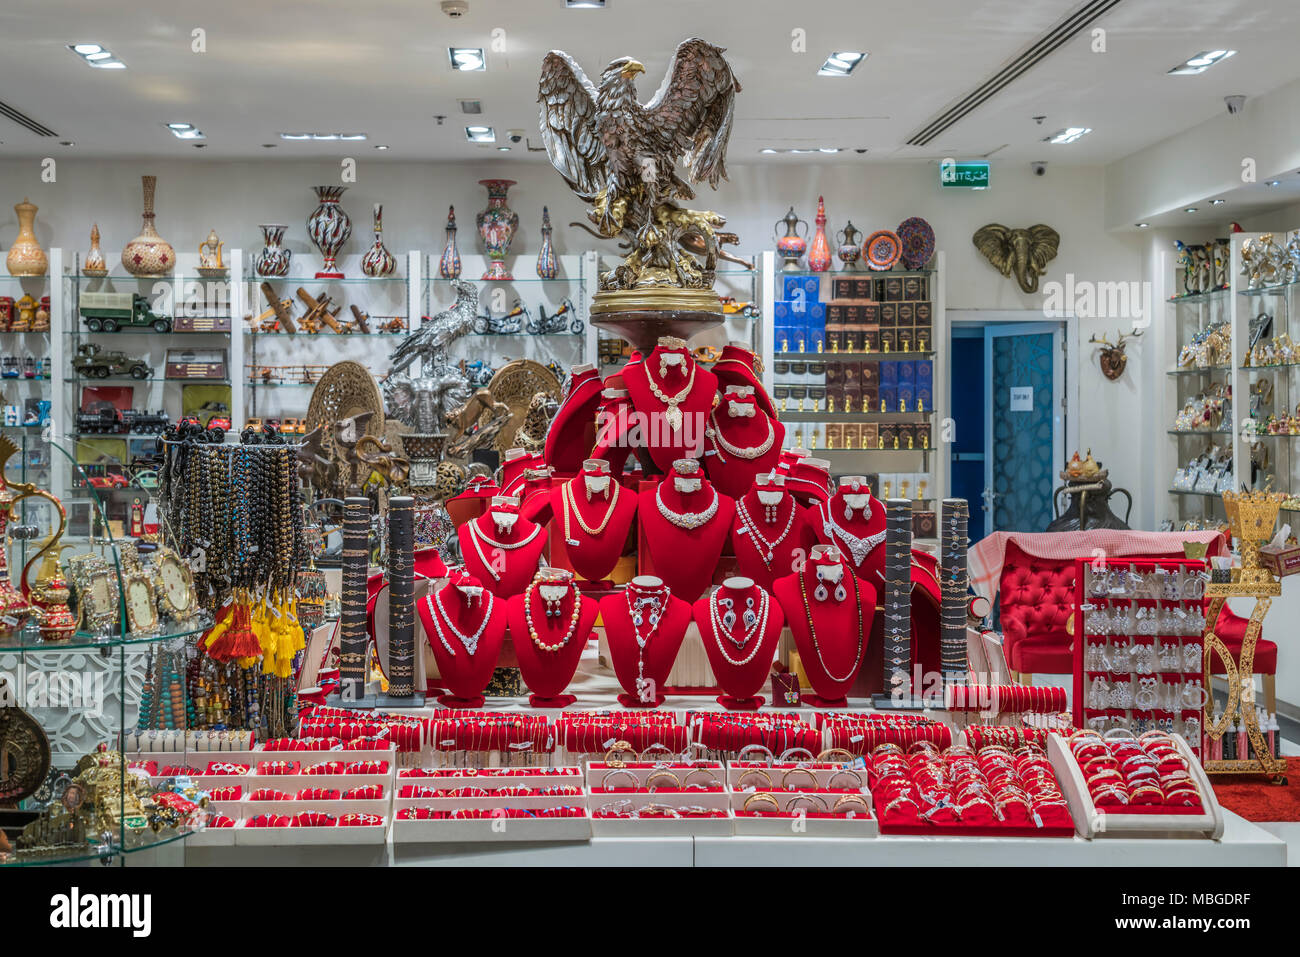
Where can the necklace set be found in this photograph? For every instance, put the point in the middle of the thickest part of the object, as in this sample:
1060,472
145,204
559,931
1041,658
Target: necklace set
723,623
477,537
714,432
468,642
812,630
859,547
673,413
686,520
642,607
766,547
569,506
554,609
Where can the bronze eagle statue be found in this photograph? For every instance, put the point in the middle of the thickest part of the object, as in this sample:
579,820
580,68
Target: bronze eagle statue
621,156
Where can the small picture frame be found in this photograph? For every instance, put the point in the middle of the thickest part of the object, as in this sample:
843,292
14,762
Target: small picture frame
141,602
98,597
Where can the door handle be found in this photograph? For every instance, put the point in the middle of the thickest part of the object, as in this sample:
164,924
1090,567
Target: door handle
988,495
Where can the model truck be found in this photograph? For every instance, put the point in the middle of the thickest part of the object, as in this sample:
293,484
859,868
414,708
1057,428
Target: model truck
111,311
92,362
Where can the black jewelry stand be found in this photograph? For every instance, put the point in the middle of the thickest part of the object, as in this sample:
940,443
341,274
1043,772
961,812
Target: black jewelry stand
401,607
353,639
897,600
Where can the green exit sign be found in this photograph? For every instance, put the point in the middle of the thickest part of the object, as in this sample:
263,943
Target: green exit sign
964,175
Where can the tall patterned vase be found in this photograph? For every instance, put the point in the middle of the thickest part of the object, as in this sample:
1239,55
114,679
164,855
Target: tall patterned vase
378,262
26,257
148,256
497,225
94,265
329,228
819,252
449,264
547,267
791,246
274,258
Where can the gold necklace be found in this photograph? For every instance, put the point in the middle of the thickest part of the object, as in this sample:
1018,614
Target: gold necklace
570,505
673,414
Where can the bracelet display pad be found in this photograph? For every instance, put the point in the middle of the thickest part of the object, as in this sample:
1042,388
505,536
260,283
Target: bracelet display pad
401,596
953,586
897,599
353,639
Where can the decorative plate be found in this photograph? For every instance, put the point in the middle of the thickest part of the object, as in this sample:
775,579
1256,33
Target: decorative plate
882,249
918,242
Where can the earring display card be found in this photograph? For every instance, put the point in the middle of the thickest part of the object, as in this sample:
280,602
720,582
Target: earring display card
1139,665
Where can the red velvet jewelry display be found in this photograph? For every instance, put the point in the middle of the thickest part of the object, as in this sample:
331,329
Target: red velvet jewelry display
685,558
735,366
872,566
548,672
511,568
613,427
738,430
535,497
573,429
666,444
465,675
741,670
513,468
750,553
593,556
660,649
839,642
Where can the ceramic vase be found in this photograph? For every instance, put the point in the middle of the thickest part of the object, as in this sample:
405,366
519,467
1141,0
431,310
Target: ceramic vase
378,262
94,265
449,264
791,246
274,258
850,249
148,256
329,228
819,250
497,225
547,266
26,257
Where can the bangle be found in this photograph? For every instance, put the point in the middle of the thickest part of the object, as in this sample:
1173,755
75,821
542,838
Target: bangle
612,756
849,802
761,797
819,805
857,778
766,752
604,782
712,783
797,754
786,777
657,747
650,781
767,778
831,755
656,810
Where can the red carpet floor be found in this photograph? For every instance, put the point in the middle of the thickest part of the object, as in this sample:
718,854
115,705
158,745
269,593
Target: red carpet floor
1255,798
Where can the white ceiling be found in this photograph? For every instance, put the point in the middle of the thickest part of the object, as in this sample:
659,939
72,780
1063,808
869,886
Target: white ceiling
380,67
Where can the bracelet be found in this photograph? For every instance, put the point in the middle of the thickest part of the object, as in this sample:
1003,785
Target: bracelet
819,804
712,783
832,755
657,747
857,778
797,754
846,800
650,781
766,752
604,782
612,755
767,778
786,777
763,798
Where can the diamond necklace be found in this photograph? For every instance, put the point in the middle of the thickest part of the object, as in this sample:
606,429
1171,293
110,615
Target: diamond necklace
673,414
743,452
686,520
812,631
469,642
570,505
476,533
719,629
767,551
859,548
657,603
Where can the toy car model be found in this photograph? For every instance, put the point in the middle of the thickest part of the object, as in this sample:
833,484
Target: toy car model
92,362
110,311
109,480
730,307
292,426
215,415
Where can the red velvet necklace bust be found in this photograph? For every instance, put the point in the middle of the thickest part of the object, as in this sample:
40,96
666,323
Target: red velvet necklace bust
737,365
466,627
573,429
513,465
853,520
675,394
769,527
535,496
549,627
743,441
740,625
502,548
594,514
644,626
685,521
829,612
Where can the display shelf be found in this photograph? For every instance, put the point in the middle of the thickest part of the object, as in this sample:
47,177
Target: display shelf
792,415
857,356
1205,371
1214,295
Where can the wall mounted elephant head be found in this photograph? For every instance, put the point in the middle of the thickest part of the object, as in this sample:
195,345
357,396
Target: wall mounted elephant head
1026,252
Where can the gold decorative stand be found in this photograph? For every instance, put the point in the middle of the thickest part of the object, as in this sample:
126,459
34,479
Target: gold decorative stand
1251,517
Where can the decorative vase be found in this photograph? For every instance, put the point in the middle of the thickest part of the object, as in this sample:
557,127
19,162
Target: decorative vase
26,257
547,267
211,265
819,251
329,228
791,246
94,265
449,264
274,258
497,225
849,239
378,261
148,256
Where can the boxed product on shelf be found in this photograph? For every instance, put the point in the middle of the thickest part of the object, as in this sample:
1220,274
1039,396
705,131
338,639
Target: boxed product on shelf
196,364
806,288
851,287
1151,785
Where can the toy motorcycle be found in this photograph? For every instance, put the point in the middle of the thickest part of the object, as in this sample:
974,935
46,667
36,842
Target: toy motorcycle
506,325
555,322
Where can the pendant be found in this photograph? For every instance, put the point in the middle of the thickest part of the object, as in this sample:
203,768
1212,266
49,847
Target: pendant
840,593
645,690
820,592
674,417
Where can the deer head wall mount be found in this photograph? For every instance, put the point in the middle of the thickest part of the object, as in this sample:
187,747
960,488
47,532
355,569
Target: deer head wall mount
1113,357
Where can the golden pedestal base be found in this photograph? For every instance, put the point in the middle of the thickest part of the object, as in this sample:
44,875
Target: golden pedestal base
642,316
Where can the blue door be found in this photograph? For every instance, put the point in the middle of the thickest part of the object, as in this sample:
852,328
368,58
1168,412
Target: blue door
969,410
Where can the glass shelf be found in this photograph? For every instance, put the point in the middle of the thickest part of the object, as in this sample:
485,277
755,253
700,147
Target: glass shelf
345,281
1174,491
576,337
82,333
1220,432
313,336
859,356
1277,289
1198,297
1280,365
439,281
1209,370
909,418
89,380
28,639
818,452
853,273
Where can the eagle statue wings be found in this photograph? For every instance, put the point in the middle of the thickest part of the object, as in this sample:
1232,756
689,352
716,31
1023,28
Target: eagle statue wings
622,157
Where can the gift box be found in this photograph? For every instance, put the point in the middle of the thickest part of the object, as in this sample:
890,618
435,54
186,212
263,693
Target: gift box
851,287
887,315
925,525
916,287
1281,560
889,289
888,435
805,288
870,436
852,435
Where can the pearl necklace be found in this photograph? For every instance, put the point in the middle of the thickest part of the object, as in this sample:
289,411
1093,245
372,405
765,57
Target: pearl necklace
752,452
657,602
859,548
469,642
673,413
532,629
570,505
719,629
767,552
686,520
812,631
476,533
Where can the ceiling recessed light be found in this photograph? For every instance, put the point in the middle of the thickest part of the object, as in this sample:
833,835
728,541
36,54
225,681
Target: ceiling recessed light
480,134
67,143
841,63
585,4
92,54
1274,182
185,131
1190,209
323,137
829,149
295,136
1201,62
1217,202
471,106
1142,225
380,146
466,58
503,149
1068,135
